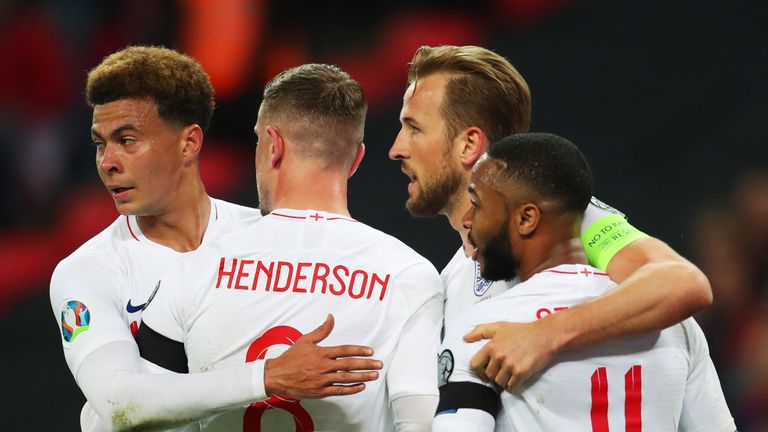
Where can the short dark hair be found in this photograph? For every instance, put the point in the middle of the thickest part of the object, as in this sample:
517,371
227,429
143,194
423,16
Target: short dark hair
484,89
176,83
325,107
550,165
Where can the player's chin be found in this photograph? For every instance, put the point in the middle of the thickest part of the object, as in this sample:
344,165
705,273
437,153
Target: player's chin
417,206
128,208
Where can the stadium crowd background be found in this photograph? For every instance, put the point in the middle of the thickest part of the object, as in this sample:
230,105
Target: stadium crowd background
667,99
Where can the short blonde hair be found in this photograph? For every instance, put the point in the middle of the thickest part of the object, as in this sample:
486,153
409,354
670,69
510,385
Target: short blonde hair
485,90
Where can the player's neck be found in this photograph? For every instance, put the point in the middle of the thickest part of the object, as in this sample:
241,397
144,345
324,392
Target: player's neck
455,211
181,227
315,188
551,254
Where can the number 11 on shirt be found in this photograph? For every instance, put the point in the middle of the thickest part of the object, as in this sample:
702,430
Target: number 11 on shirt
633,395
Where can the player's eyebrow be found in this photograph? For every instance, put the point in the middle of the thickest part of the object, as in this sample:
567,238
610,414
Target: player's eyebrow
115,134
471,189
410,121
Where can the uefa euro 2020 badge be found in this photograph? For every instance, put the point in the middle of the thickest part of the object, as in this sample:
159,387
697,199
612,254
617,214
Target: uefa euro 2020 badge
75,318
481,284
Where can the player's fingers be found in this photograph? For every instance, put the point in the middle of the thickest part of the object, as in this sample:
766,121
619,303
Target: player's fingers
480,361
348,390
352,377
514,382
321,332
502,378
355,364
482,331
341,390
492,370
347,351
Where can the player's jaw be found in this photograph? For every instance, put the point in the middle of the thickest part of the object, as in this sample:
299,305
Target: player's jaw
495,256
429,195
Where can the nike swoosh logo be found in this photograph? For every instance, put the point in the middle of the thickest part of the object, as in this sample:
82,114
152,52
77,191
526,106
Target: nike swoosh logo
133,309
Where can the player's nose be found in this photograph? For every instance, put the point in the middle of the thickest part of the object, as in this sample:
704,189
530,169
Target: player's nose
109,161
399,149
466,220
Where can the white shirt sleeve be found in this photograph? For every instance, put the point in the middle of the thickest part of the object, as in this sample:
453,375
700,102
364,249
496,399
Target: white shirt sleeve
413,369
90,422
414,413
704,407
122,389
597,210
456,412
87,306
126,391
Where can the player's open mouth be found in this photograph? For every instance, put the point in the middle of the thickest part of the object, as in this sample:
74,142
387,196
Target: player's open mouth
412,177
119,192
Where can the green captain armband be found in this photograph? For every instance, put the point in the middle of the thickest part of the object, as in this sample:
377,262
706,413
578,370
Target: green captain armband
606,237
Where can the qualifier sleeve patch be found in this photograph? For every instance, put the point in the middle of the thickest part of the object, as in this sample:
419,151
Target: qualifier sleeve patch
75,319
444,367
606,237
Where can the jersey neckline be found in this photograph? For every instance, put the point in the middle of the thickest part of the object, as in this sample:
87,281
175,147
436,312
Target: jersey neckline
132,223
308,215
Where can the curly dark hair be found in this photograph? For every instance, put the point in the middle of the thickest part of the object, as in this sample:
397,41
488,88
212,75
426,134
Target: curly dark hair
176,82
550,165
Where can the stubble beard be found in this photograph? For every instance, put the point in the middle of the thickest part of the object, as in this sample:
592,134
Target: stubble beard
436,193
500,264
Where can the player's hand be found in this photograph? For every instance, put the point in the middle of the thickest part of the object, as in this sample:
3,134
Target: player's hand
515,352
308,371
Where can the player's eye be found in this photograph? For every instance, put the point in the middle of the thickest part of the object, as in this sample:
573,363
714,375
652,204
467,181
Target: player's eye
98,144
127,141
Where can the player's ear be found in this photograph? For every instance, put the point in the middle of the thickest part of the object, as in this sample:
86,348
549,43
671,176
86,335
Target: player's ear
529,216
473,144
358,159
191,143
276,146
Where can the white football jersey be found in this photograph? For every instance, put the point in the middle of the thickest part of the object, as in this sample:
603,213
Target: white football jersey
464,286
251,295
660,381
99,291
